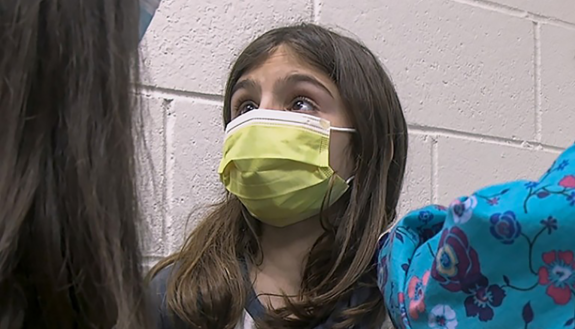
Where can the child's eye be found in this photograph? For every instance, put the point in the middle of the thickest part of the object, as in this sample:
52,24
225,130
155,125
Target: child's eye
246,107
303,104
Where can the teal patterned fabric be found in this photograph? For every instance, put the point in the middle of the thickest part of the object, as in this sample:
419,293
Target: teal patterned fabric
502,257
147,10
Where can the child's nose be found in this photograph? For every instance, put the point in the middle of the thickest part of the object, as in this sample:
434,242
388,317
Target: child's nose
271,103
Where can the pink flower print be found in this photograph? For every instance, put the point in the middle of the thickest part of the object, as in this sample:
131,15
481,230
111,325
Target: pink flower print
568,181
416,293
402,310
558,274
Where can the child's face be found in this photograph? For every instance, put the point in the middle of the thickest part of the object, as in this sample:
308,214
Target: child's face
286,83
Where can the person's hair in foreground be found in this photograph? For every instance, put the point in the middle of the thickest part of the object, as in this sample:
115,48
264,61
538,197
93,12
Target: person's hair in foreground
208,288
69,250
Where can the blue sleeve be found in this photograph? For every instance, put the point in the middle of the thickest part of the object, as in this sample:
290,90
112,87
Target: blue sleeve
503,257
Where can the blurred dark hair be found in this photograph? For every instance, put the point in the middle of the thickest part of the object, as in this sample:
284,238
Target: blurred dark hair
69,244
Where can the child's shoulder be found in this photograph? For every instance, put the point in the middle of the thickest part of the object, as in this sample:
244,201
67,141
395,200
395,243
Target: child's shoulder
157,299
159,283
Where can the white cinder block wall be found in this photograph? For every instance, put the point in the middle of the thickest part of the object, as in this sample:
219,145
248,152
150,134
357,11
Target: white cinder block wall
488,88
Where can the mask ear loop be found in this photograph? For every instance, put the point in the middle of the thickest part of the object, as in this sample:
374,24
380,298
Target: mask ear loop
344,130
388,230
349,180
323,209
323,216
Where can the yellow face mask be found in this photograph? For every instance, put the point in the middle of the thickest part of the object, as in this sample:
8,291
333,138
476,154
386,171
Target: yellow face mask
277,164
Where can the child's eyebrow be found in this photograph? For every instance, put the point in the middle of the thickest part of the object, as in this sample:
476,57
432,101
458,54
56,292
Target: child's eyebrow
298,78
246,84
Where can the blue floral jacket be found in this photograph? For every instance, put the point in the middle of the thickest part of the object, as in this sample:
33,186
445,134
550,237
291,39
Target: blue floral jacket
500,258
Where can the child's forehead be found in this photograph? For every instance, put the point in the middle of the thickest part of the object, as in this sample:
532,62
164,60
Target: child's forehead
284,67
280,62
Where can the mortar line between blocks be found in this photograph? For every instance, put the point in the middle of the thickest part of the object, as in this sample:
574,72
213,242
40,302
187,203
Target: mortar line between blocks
434,170
537,78
551,21
515,12
165,108
435,131
175,94
316,7
488,5
152,258
171,117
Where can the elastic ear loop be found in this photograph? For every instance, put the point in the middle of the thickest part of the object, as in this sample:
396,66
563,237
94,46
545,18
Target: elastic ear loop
392,225
342,129
327,196
323,210
386,231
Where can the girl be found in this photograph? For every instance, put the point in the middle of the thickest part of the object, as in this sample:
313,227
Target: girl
69,252
313,161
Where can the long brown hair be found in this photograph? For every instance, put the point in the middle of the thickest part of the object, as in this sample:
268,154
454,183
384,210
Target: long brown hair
208,288
69,245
